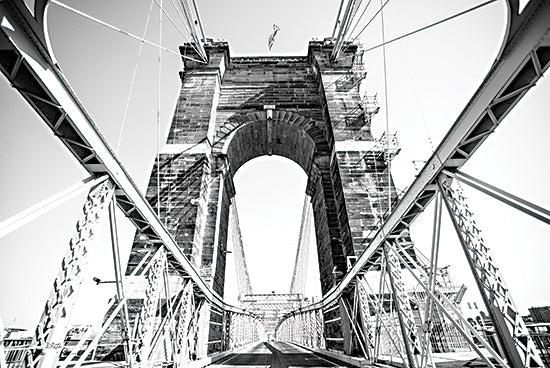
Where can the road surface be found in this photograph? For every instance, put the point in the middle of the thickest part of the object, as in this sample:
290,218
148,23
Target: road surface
275,355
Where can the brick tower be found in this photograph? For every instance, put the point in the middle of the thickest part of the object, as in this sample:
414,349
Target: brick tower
307,109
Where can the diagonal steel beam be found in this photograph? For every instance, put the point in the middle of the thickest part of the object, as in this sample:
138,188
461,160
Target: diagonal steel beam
524,57
26,62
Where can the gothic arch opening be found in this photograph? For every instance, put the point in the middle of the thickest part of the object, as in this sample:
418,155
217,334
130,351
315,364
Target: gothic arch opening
299,139
269,195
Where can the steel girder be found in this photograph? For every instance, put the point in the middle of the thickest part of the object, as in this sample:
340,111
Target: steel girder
26,61
523,58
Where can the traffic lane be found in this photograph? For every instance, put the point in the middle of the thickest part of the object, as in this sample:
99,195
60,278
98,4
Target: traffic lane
288,355
257,355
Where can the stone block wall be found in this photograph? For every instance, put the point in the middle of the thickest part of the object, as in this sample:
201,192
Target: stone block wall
231,110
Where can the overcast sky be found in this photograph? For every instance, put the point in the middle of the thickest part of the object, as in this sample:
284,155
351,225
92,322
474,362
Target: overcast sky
431,76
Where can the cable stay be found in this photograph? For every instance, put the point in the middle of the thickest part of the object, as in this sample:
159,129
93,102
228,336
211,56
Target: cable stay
298,283
243,277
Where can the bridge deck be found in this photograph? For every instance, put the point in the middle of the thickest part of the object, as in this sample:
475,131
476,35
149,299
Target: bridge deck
273,354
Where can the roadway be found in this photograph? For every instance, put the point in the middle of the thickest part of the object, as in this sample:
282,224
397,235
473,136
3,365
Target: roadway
273,354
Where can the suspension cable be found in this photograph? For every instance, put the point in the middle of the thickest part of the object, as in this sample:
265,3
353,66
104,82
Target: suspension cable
159,75
418,102
365,27
386,111
89,17
173,23
360,17
132,83
179,11
464,12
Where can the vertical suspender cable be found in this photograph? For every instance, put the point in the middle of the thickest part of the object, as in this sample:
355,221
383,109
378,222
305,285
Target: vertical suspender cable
388,157
132,83
158,109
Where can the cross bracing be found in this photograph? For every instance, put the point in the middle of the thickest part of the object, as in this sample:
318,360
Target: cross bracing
521,63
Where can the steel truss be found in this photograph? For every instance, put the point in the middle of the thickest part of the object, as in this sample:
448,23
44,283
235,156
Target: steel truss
53,323
26,62
522,60
173,326
519,347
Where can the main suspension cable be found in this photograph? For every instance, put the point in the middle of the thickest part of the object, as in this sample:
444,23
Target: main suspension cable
365,27
464,12
360,17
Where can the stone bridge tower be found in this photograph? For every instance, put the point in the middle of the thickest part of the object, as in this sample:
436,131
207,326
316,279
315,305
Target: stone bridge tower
305,108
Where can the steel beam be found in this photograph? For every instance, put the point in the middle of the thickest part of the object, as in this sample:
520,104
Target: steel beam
434,257
119,276
525,55
519,348
54,321
381,314
437,296
24,217
402,307
26,62
104,326
518,203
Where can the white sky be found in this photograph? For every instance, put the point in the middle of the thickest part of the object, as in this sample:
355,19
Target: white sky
431,76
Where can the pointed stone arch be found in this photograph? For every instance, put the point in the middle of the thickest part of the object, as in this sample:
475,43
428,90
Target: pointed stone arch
305,141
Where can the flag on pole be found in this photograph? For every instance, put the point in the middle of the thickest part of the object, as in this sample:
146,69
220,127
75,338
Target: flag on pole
271,39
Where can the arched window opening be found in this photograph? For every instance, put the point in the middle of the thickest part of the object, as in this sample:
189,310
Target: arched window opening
269,199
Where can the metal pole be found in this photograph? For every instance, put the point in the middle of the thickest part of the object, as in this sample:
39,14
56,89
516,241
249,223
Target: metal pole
337,19
518,203
381,290
393,270
359,337
433,275
170,309
124,318
379,313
